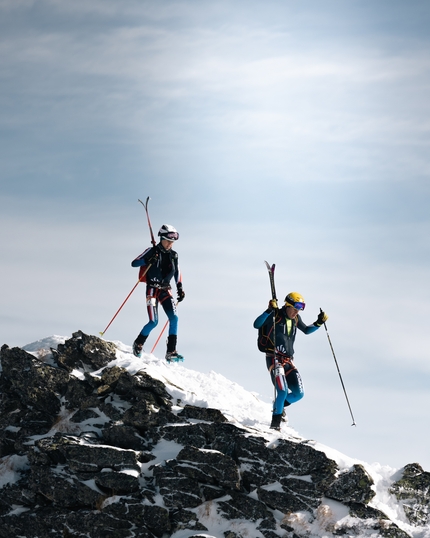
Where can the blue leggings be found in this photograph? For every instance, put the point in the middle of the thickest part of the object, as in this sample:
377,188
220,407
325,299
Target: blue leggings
294,386
165,298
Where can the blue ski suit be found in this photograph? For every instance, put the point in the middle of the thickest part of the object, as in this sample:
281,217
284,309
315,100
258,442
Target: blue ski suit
163,267
285,334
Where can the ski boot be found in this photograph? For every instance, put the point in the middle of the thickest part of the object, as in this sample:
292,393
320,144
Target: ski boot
276,422
173,356
138,345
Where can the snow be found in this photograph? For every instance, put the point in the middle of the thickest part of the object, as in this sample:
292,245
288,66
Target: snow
246,410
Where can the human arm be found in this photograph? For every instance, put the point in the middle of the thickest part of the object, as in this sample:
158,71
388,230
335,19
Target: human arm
262,318
148,257
309,329
178,280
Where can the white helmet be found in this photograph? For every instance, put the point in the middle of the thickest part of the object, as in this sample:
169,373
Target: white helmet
168,232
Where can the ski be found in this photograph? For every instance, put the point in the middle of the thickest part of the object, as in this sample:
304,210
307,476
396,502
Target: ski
145,205
271,270
280,381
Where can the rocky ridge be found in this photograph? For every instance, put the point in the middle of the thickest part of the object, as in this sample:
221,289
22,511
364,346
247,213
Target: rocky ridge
93,451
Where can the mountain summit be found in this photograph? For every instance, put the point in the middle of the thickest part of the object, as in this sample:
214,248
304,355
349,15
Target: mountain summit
97,443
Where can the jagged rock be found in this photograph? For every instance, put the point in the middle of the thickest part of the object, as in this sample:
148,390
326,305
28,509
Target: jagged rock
79,394
177,490
208,467
293,495
141,386
86,458
88,438
35,383
413,490
185,519
84,351
353,486
202,413
61,489
117,483
154,518
123,436
241,506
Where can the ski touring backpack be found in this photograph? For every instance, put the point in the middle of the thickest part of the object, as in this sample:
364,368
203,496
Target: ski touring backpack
265,335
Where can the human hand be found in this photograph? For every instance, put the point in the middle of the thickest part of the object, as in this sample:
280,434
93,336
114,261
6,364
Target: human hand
180,291
321,319
273,305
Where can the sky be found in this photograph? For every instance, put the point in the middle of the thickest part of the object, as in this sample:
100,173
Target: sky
247,411
292,132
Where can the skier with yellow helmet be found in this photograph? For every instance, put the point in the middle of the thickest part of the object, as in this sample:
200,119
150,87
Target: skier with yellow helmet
284,322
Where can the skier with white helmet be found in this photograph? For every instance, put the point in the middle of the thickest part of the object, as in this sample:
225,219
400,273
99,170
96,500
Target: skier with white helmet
161,262
279,354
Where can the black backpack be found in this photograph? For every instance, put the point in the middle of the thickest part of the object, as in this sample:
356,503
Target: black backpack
265,336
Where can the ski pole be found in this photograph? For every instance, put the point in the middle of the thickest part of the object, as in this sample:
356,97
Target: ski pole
161,333
125,300
338,371
159,336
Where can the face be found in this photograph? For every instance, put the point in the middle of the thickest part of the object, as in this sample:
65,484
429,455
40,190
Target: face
167,244
291,312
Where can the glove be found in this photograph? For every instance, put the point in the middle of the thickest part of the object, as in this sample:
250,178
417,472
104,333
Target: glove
180,292
153,259
322,318
273,305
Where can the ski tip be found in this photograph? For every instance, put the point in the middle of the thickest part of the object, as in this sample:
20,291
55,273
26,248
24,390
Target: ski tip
269,267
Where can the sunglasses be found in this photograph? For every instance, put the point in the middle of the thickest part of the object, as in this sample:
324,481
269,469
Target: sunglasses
297,306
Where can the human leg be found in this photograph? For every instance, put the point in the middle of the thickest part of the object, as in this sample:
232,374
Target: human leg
280,393
295,387
152,309
169,307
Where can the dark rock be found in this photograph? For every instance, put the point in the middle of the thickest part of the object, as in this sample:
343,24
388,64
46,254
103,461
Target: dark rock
202,413
413,491
117,483
353,486
207,467
177,489
35,383
185,519
87,458
88,453
241,506
123,436
84,351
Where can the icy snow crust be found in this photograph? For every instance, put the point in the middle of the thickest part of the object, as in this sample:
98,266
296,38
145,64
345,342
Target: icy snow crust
243,409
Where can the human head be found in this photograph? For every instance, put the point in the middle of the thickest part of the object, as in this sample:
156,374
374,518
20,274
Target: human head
168,232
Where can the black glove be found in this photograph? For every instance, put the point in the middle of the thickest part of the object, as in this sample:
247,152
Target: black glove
180,291
321,319
153,259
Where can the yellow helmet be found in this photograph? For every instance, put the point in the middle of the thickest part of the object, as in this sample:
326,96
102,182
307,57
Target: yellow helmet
295,300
